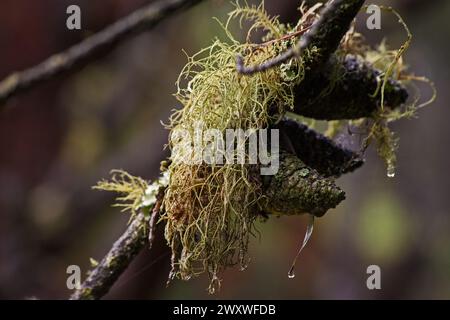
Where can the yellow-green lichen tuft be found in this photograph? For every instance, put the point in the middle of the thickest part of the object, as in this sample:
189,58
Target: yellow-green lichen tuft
391,61
210,209
131,190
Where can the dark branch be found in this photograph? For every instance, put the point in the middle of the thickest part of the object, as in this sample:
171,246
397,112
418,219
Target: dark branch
344,90
155,212
318,151
325,35
138,21
105,274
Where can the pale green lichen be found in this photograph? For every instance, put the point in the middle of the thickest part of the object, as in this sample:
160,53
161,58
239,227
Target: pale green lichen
134,192
209,210
392,62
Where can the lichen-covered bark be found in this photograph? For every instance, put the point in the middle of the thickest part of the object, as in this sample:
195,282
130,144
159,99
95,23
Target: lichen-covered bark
334,90
101,279
324,37
318,151
343,90
334,23
297,189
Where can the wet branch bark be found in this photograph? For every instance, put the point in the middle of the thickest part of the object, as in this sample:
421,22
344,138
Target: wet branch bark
138,21
123,251
344,90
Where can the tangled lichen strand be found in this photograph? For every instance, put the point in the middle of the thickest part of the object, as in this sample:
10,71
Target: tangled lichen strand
210,209
131,190
387,103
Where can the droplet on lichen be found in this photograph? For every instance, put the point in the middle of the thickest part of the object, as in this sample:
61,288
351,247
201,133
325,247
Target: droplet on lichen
391,172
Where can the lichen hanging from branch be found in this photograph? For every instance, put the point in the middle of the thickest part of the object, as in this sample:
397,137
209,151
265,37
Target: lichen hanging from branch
209,210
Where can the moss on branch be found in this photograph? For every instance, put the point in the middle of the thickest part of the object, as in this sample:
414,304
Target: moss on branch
298,189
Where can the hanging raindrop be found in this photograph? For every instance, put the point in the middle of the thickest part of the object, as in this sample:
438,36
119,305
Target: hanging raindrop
391,171
309,230
291,274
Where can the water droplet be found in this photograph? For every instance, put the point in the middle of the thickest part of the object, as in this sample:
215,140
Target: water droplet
309,230
391,170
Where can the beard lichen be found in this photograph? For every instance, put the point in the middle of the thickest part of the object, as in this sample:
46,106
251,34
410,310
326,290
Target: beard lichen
393,68
131,190
210,209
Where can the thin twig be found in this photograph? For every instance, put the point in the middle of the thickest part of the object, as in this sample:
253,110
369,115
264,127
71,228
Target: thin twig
154,216
325,34
285,37
138,21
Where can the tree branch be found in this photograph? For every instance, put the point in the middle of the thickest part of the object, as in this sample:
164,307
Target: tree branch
317,151
138,21
344,90
123,251
325,34
298,189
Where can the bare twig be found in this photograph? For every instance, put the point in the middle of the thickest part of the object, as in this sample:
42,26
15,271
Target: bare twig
325,34
285,37
138,21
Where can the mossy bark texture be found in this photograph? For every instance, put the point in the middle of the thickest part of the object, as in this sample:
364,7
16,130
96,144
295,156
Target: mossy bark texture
297,189
333,24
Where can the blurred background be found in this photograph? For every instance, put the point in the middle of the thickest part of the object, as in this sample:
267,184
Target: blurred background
58,139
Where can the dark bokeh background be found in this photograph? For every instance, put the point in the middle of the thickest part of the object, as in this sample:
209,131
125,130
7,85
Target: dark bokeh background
57,140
